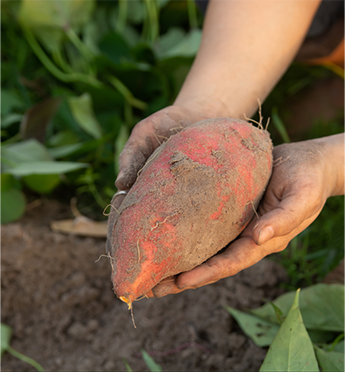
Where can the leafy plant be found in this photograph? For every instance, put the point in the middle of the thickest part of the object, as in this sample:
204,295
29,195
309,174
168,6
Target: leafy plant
299,335
77,76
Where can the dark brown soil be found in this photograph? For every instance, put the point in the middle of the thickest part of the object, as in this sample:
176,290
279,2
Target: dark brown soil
63,313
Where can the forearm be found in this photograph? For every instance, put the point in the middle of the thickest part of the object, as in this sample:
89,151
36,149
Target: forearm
245,49
334,153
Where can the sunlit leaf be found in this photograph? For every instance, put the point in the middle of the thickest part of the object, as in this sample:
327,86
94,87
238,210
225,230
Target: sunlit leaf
45,167
82,111
37,118
330,360
169,40
49,19
321,306
149,361
291,349
12,206
188,47
62,151
259,330
26,151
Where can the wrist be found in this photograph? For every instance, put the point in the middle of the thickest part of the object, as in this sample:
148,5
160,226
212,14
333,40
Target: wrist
333,148
206,107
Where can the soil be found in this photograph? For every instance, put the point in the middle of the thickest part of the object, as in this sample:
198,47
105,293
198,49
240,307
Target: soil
64,315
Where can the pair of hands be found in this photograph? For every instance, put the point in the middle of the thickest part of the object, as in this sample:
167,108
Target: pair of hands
303,178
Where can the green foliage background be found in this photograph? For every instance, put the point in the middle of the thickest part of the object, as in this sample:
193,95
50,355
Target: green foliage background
78,75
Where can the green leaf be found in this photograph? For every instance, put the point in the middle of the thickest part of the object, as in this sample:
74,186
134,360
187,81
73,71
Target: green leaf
149,361
7,181
10,119
279,315
82,111
25,359
188,47
120,142
50,19
23,152
6,333
321,306
291,349
259,330
340,347
114,47
330,360
45,167
137,13
12,206
42,183
9,101
127,366
169,40
37,118
62,151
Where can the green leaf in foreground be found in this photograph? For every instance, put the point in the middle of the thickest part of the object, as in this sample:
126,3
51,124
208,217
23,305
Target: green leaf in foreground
330,360
149,361
261,331
6,333
291,349
321,306
12,205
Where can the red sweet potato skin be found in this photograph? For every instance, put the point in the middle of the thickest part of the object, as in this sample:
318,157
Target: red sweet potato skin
195,195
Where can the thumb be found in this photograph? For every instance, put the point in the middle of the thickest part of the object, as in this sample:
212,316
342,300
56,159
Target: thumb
287,215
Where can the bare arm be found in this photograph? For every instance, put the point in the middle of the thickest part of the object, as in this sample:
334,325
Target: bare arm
246,47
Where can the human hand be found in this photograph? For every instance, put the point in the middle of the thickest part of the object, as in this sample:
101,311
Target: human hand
304,175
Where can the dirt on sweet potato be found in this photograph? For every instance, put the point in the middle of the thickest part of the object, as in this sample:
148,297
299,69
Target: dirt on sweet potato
195,194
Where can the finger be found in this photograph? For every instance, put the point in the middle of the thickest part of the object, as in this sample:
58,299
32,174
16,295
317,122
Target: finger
165,287
288,215
146,136
239,255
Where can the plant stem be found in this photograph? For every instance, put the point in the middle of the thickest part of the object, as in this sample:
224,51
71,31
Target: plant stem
50,66
153,20
25,359
59,59
191,9
122,15
117,84
77,42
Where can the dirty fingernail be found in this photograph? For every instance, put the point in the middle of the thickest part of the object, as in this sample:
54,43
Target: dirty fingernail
120,175
265,234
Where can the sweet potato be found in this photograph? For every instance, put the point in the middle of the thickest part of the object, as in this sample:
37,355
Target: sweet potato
195,194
